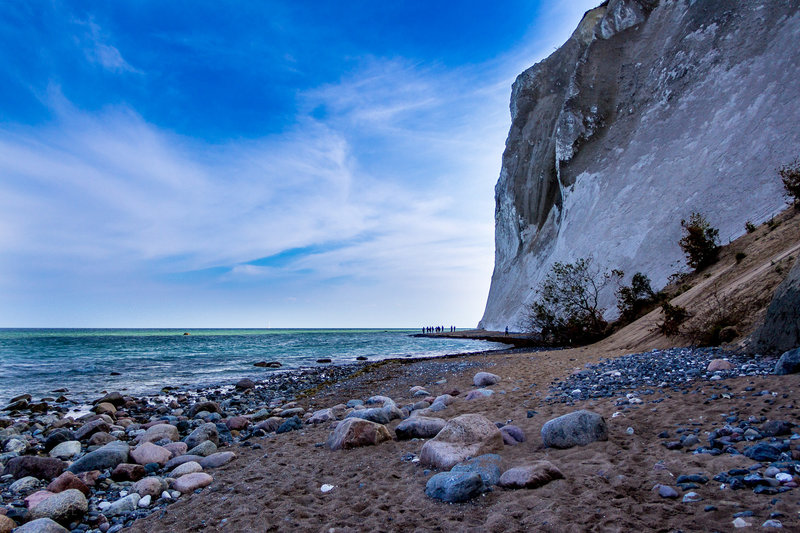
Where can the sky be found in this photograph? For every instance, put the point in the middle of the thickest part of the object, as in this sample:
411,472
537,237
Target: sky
256,164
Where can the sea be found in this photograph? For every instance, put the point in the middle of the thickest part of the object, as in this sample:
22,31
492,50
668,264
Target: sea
87,362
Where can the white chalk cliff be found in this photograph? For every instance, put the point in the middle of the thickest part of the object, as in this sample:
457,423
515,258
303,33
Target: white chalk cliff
651,110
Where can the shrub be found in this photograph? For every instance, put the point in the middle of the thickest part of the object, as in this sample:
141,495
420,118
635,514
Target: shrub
749,226
674,315
716,321
634,299
740,256
790,176
566,308
699,242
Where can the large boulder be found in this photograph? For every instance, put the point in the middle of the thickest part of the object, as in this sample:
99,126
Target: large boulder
90,428
109,456
356,432
150,453
419,427
789,363
781,328
454,486
66,450
462,437
487,466
66,481
485,379
209,407
530,476
574,429
64,507
46,468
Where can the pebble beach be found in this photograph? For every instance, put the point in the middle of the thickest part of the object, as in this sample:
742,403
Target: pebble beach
678,439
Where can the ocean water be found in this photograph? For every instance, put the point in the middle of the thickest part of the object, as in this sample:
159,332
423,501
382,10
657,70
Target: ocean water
39,361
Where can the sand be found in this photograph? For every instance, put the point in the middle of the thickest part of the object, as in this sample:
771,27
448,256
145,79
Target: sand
607,486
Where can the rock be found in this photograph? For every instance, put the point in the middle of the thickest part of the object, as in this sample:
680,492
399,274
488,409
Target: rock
531,476
237,423
104,408
419,427
114,398
446,399
175,461
772,523
100,438
512,435
37,497
454,486
293,424
485,379
691,497
16,445
789,363
215,460
56,437
776,428
578,428
66,481
41,525
89,478
321,416
176,448
719,364
144,502
64,507
186,468
190,482
46,468
356,432
265,364
740,523
150,453
24,485
149,486
90,428
6,524
211,407
203,449
160,432
462,437
379,415
487,466
665,491
269,425
109,456
203,433
245,384
123,505
478,394
762,452
128,472
66,450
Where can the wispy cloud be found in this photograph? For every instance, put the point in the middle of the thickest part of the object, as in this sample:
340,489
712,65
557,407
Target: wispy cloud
97,48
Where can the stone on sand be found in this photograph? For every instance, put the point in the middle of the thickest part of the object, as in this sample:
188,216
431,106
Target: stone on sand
128,472
578,428
215,460
419,427
68,480
205,432
66,450
150,453
531,476
462,437
109,456
719,364
149,486
203,449
186,468
190,482
487,466
160,432
356,432
123,505
512,435
41,525
485,379
454,487
789,363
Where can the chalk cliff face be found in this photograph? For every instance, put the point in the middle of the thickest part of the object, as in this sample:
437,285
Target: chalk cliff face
651,110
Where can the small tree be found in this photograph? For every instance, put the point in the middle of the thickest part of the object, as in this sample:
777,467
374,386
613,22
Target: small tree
633,299
790,176
566,310
699,242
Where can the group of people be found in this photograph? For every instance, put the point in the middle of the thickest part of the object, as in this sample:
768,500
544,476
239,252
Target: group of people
437,329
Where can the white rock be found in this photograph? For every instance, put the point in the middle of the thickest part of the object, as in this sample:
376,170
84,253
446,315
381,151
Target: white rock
144,501
740,523
783,477
103,505
166,495
326,488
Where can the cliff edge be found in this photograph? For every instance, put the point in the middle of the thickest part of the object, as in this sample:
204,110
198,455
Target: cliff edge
651,110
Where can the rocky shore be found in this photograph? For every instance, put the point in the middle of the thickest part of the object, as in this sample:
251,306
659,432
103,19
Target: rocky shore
463,429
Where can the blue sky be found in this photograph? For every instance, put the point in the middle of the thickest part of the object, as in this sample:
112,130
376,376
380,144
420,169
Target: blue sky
244,164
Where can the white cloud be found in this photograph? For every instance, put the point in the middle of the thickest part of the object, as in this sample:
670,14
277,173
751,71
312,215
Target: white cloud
99,51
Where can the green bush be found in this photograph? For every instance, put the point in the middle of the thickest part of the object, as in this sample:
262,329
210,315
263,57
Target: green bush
790,176
699,242
674,315
749,226
566,309
634,299
740,256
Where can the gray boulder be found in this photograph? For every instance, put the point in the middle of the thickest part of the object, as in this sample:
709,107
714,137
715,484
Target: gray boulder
485,379
487,466
454,486
574,429
41,525
419,427
530,476
64,507
781,328
789,363
123,505
205,432
109,456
